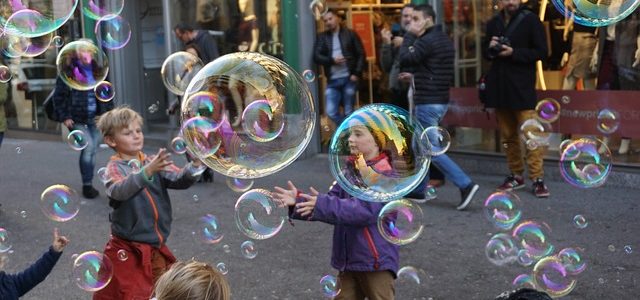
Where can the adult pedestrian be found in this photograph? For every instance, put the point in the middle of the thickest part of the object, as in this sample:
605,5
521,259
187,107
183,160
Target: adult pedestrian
514,41
339,50
197,42
426,57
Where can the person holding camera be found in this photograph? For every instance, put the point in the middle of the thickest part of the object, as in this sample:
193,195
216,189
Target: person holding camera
514,41
427,57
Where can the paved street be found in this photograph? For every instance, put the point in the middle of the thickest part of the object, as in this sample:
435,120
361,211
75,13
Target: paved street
289,266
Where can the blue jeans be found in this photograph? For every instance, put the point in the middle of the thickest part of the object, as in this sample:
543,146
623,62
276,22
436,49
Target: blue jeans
88,154
341,90
431,115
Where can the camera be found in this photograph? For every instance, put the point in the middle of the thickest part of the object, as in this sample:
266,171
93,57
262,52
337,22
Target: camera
497,48
396,30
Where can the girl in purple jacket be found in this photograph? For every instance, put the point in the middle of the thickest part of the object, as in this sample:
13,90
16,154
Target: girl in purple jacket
366,261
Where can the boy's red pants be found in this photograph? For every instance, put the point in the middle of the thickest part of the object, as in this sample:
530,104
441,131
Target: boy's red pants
134,277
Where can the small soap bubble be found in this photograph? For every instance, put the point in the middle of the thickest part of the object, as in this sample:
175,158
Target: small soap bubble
501,250
103,175
18,150
628,249
209,229
58,41
248,249
601,280
411,274
122,255
400,222
59,203
153,108
608,121
5,74
82,65
92,271
226,248
436,140
309,75
524,258
222,268
612,248
104,91
565,99
178,145
239,185
195,198
135,166
5,241
580,221
77,140
330,286
23,214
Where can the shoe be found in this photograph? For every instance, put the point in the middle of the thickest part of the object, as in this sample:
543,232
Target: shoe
624,146
466,195
512,182
421,197
89,192
540,189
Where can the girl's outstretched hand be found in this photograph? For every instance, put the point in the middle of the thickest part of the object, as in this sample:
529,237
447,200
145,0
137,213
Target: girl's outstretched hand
306,208
285,197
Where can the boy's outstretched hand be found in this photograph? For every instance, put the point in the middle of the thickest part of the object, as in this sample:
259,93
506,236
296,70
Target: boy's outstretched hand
306,208
59,241
286,197
158,163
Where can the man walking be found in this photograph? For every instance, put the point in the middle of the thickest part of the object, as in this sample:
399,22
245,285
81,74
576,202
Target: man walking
515,41
339,50
198,42
426,57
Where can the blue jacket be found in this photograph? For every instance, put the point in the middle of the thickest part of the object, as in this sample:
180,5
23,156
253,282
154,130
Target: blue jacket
13,286
72,104
357,243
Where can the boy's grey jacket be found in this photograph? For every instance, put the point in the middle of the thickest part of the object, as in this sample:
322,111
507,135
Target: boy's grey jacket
141,205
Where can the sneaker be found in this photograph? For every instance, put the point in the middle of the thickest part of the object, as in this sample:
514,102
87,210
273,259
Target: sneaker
466,195
512,182
89,192
540,189
421,197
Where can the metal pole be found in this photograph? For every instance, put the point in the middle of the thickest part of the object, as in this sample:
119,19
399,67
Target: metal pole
168,28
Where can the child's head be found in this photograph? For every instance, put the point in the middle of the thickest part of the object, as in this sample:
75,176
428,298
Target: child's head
122,130
364,137
192,281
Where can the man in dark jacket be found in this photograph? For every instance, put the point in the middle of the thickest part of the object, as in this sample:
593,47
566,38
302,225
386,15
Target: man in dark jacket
426,57
510,87
78,110
199,41
339,50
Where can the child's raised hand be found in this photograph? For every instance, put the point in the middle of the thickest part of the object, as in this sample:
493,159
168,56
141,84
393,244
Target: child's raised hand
306,208
159,162
59,241
286,197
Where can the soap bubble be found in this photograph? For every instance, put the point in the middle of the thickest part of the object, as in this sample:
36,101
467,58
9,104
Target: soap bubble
122,255
501,250
548,110
77,140
97,9
17,46
308,75
411,274
178,145
92,271
113,32
104,91
596,13
533,237
58,41
400,222
35,20
392,168
550,276
572,261
5,241
581,165
5,74
204,136
209,229
238,80
222,268
260,123
178,69
248,249
82,65
239,185
318,8
608,121
330,286
503,209
258,216
580,221
536,131
524,281
59,203
436,139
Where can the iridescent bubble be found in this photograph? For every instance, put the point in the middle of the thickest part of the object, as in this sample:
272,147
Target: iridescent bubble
570,153
411,274
92,271
260,123
628,249
202,136
248,249
178,69
74,256
596,13
501,250
77,140
608,121
308,75
205,105
258,216
550,276
436,139
524,258
18,150
122,255
503,210
523,281
195,198
5,74
18,46
209,229
226,248
35,20
57,41
565,99
240,79
611,248
222,268
153,108
580,221
104,91
97,9
135,166
583,166
532,129
375,156
59,203
318,8
5,241
23,214
532,236
572,261
113,32
239,185
178,145
400,222
548,110
431,192
82,65
330,286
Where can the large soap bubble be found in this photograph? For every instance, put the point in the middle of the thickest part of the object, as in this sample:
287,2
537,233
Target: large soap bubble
22,18
279,133
596,13
376,153
583,166
81,65
178,70
16,45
